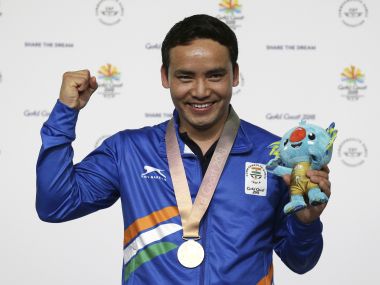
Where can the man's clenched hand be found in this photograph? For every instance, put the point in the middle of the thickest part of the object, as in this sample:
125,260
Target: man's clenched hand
77,88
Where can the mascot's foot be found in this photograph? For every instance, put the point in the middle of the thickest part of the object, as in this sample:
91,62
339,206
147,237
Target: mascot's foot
296,203
317,197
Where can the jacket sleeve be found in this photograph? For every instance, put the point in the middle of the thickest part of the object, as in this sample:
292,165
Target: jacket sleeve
298,245
66,191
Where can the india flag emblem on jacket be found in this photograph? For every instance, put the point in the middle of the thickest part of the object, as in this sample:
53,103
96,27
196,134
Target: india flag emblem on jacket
143,238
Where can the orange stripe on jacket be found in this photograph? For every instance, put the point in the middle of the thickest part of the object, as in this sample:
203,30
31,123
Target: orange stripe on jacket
267,280
149,221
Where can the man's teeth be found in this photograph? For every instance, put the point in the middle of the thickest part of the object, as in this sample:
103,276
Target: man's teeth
200,106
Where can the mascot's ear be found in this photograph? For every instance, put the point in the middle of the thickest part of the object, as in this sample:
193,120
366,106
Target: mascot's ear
275,149
332,132
331,127
302,123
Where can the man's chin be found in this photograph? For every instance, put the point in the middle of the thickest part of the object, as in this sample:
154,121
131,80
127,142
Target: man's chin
202,125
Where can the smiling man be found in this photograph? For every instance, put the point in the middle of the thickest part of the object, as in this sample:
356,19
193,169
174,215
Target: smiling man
213,214
200,77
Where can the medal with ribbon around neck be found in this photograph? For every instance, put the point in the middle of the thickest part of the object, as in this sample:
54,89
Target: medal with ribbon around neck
191,254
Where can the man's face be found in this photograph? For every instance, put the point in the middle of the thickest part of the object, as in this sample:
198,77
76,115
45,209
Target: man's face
200,78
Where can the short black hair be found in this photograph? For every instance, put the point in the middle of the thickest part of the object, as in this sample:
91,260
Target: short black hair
199,27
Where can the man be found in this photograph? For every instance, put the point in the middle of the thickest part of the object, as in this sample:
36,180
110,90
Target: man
239,231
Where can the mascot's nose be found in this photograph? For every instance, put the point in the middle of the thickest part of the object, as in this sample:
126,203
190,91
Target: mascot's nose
298,135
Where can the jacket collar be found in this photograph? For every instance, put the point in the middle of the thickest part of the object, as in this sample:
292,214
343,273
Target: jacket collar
242,142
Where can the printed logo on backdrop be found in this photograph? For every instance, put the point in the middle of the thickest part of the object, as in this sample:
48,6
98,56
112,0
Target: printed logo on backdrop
352,82
158,115
109,12
153,46
353,13
255,179
48,44
238,89
353,152
109,80
100,140
232,15
290,116
291,47
36,113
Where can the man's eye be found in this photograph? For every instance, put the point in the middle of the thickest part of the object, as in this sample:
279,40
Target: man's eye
184,77
216,76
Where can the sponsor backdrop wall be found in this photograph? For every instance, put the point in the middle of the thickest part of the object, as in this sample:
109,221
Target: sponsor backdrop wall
314,60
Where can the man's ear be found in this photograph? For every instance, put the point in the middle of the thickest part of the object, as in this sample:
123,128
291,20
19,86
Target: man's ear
164,77
235,79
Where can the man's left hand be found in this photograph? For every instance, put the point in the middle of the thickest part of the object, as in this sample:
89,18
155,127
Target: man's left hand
320,177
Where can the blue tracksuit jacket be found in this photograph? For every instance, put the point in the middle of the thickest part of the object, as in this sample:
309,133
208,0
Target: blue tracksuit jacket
239,231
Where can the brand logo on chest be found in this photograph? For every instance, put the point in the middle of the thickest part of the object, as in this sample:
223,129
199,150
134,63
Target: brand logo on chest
153,173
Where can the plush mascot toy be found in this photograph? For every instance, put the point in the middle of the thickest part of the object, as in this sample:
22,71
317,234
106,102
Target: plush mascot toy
301,148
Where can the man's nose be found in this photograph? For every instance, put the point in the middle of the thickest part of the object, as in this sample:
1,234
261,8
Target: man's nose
200,89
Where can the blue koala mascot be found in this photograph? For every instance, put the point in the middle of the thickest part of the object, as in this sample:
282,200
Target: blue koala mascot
301,148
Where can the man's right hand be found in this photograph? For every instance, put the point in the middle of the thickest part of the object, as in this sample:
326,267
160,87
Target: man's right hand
77,88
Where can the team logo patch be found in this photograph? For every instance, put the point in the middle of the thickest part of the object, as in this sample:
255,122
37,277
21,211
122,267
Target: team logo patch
255,179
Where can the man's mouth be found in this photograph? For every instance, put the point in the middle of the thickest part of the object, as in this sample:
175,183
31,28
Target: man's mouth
201,106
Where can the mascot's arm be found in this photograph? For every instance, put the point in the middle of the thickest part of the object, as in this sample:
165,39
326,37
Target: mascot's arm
316,160
298,245
274,166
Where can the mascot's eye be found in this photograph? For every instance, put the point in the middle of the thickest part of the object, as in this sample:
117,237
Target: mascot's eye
285,142
311,136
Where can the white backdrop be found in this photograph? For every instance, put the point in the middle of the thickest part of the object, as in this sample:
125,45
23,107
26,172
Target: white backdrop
292,56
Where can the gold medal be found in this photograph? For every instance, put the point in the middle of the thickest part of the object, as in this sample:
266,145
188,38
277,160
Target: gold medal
190,254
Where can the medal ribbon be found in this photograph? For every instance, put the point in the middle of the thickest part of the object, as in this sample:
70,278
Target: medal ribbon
191,215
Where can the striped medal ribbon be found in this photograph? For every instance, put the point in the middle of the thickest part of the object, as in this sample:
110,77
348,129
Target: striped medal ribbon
191,254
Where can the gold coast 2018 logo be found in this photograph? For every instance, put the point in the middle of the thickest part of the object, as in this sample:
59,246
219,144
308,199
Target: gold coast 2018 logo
231,13
109,80
352,80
